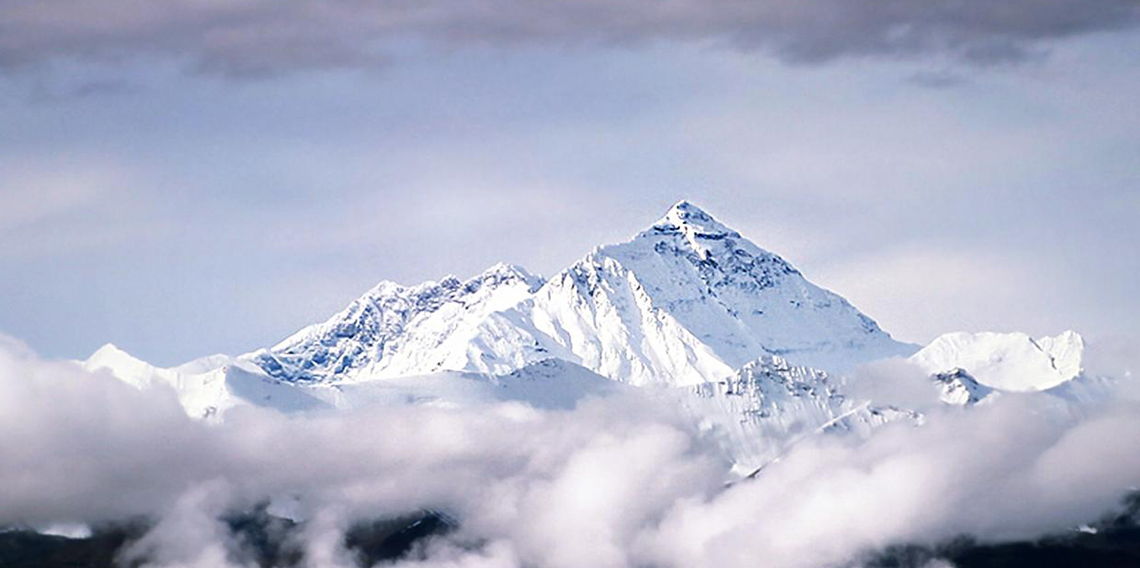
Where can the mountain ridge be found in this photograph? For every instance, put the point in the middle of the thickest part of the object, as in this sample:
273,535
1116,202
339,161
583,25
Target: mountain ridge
731,333
684,301
1012,362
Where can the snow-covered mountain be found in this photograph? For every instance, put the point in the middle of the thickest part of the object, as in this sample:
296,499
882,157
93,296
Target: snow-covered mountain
1012,362
686,301
740,300
730,333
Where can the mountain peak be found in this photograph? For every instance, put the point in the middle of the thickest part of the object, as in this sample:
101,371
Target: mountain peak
685,205
1006,361
687,218
686,300
107,349
111,352
109,356
507,271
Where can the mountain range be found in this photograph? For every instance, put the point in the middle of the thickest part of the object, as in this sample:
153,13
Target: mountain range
687,310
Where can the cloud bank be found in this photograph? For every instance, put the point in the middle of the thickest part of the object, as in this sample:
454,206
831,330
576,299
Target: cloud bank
617,482
256,37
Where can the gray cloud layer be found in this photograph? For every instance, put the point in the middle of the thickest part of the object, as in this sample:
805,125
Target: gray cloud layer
264,36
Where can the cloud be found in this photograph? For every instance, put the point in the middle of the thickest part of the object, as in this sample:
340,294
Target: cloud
64,204
190,535
937,79
47,94
1000,472
258,37
616,482
41,195
929,287
894,382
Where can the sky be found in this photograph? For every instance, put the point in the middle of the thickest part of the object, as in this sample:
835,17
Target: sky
189,177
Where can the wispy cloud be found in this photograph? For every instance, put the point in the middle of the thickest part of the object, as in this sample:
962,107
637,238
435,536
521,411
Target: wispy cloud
65,204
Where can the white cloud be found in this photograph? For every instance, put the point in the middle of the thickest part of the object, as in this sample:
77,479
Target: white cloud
920,293
61,205
616,482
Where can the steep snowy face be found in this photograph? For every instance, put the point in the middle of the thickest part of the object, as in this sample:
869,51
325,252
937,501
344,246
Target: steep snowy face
737,299
769,405
396,330
684,302
1006,361
597,314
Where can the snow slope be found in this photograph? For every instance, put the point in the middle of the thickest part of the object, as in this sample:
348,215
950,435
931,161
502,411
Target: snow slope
396,330
1012,362
206,387
686,301
743,301
551,384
